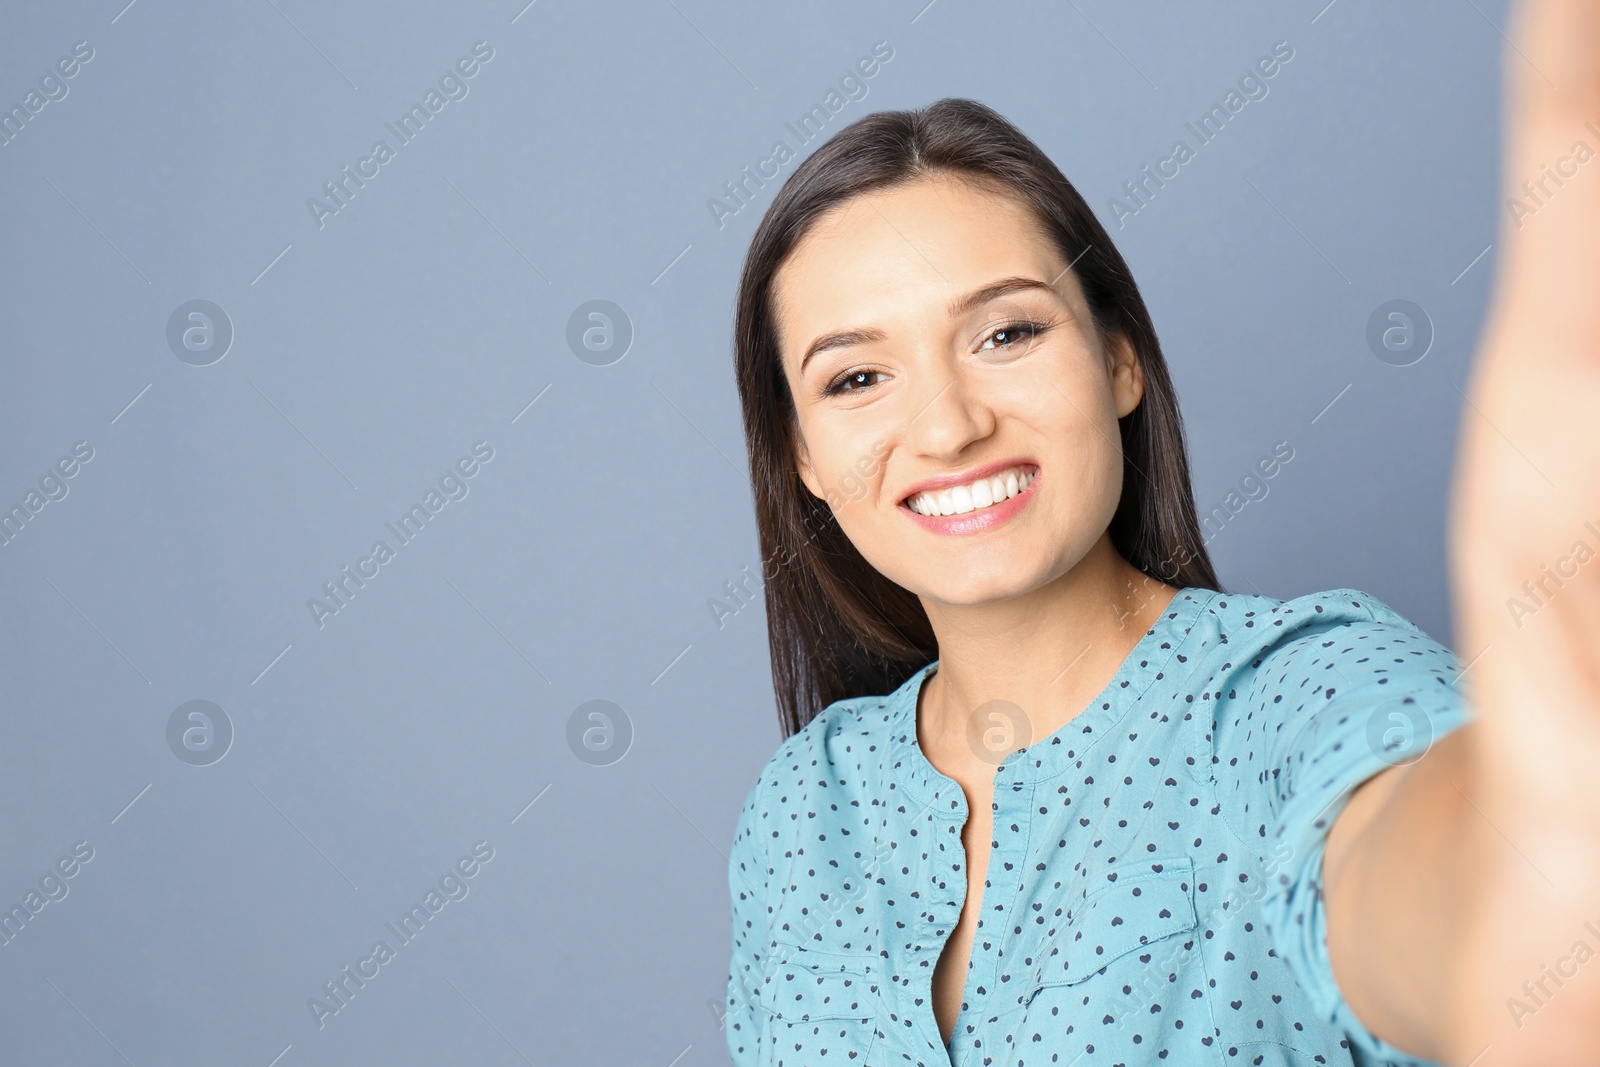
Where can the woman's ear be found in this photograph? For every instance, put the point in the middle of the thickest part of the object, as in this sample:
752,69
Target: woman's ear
1127,376
803,466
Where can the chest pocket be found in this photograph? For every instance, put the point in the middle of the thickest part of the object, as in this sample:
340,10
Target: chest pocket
825,1007
1138,905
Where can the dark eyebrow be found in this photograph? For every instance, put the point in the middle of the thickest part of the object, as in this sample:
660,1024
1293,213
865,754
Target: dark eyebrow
861,335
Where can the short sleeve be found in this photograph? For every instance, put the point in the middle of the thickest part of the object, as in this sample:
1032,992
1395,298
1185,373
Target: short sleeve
1346,690
748,871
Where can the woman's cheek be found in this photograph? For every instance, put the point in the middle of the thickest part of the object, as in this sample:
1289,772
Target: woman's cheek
1085,484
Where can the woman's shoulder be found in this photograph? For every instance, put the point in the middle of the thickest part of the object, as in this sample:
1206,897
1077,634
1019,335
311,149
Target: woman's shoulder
1282,656
1266,624
1338,654
842,746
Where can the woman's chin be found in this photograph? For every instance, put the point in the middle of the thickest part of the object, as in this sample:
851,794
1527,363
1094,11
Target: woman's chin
975,591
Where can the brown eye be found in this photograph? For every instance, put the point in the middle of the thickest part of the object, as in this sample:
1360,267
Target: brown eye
845,382
1012,334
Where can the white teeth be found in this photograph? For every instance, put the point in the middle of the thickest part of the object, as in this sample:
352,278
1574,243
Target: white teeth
980,493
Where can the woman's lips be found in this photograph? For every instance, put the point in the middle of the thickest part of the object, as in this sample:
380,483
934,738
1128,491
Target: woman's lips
979,491
986,518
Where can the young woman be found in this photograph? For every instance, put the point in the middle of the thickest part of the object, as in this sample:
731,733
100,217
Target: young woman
1047,793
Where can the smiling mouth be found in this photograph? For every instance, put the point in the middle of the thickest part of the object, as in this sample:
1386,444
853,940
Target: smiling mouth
975,495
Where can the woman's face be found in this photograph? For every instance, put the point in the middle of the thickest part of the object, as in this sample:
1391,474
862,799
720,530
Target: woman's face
921,369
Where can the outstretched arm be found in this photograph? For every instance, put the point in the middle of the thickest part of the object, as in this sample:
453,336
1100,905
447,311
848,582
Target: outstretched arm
1462,891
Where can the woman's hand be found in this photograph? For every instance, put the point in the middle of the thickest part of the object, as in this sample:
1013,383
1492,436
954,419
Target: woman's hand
1524,548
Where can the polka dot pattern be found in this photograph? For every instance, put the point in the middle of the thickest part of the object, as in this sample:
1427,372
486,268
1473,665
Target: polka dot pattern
1153,890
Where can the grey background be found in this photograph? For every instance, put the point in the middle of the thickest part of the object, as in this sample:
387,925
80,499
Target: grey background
370,354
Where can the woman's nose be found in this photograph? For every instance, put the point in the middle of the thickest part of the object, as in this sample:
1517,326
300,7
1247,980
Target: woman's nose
951,413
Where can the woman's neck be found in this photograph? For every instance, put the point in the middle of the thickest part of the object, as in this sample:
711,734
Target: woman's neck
1048,653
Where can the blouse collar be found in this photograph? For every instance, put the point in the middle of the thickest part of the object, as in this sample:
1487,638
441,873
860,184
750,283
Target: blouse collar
931,789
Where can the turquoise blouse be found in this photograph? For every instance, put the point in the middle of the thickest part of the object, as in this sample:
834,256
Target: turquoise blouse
1153,892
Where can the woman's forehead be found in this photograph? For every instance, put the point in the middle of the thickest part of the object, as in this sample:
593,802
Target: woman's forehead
908,250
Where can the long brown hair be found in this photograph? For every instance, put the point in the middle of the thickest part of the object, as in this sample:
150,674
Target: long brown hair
836,627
